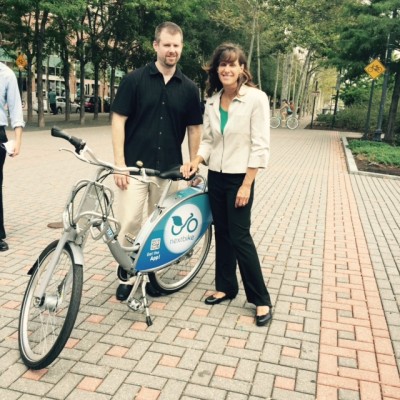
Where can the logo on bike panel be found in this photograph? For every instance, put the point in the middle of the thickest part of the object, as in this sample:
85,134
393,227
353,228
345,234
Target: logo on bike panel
183,228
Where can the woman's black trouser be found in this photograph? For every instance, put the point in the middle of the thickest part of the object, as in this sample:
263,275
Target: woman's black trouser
233,240
3,138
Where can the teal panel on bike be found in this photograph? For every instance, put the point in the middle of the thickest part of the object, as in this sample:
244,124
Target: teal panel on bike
177,231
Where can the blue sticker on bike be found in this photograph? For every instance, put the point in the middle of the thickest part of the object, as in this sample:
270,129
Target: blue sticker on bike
175,233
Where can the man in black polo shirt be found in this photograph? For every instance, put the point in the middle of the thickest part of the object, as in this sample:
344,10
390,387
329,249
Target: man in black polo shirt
153,108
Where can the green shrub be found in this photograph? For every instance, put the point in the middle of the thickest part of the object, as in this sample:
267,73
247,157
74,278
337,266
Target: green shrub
378,152
354,118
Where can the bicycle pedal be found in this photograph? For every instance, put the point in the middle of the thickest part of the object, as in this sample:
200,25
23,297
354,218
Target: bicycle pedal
136,305
130,239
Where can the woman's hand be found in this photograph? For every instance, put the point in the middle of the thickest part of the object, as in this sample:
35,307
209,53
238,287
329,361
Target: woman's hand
188,169
243,196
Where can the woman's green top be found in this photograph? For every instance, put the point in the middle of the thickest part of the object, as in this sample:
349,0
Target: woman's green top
224,118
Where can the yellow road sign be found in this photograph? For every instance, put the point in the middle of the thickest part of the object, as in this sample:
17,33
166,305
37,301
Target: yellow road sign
375,69
21,61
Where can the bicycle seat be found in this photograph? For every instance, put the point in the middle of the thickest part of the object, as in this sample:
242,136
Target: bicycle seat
173,173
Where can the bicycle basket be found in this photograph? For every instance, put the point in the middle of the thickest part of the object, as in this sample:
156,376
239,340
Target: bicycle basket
90,203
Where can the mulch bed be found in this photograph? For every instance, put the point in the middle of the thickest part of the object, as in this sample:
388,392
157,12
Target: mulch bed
364,165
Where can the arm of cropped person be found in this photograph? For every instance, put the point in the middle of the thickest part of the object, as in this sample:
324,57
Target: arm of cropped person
118,141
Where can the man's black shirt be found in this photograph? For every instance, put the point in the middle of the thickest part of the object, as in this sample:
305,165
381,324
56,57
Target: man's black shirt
158,115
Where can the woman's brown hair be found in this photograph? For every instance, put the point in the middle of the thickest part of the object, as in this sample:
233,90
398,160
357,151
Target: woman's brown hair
227,52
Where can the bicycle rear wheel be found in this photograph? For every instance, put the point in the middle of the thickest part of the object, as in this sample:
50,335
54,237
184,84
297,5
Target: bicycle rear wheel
292,122
274,122
45,324
181,273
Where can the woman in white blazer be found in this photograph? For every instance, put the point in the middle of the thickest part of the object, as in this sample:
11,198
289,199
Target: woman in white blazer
235,145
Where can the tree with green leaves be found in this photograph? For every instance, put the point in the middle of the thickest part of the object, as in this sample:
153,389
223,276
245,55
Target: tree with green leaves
61,31
371,31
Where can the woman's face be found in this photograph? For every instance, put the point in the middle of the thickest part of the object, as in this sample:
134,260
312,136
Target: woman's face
229,72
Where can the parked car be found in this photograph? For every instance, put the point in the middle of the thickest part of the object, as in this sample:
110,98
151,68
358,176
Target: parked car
89,104
60,104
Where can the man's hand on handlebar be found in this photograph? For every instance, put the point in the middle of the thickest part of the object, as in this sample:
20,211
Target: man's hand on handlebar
122,180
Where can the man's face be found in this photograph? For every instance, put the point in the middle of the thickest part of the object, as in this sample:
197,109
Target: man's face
168,49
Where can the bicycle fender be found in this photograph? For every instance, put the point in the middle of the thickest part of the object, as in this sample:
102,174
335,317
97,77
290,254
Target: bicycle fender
76,254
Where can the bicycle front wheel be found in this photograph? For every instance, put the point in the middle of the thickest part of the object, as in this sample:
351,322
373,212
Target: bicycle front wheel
292,122
179,274
274,122
46,323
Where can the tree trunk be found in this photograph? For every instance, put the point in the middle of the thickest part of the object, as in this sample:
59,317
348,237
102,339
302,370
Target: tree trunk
48,80
302,83
96,91
66,76
82,90
258,60
29,89
390,134
253,33
112,90
40,30
294,82
285,77
289,74
276,84
305,95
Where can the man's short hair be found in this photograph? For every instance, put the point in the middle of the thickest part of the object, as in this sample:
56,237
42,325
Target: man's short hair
170,27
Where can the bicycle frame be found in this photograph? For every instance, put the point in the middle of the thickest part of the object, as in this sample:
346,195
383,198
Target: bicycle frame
177,223
168,252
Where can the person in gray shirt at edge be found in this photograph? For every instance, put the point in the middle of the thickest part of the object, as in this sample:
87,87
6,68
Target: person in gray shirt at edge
10,103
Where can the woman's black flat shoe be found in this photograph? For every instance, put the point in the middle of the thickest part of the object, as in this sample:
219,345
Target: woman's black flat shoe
262,320
211,300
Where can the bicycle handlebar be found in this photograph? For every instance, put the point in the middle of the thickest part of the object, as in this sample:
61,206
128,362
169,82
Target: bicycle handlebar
81,147
79,144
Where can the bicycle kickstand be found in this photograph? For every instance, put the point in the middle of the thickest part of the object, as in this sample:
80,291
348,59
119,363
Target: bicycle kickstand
145,280
134,303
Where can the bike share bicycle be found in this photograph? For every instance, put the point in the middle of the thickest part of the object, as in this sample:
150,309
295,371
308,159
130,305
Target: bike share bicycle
169,251
291,122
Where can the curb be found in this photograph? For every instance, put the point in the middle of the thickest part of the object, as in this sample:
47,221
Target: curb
352,166
72,123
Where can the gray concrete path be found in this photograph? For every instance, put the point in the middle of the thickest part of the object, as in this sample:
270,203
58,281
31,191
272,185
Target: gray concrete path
329,245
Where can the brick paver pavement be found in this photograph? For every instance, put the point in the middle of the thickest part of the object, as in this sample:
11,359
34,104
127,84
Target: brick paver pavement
329,244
